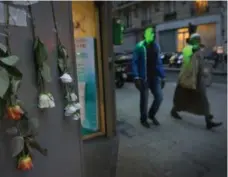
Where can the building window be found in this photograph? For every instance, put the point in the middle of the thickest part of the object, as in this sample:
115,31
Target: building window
135,12
182,36
201,6
146,13
149,13
170,7
157,6
128,19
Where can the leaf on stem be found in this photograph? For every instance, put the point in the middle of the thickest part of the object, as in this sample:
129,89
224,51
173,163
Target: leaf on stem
33,124
23,127
10,60
3,48
28,147
62,53
62,58
35,145
15,85
61,65
2,108
17,145
13,71
46,73
4,82
40,50
36,43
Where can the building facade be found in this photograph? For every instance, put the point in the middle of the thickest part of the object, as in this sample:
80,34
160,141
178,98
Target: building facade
68,155
171,19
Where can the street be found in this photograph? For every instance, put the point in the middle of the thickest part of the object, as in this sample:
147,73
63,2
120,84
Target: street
177,148
216,78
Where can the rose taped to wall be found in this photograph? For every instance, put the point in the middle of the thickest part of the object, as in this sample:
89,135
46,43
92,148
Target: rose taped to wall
72,107
24,128
46,99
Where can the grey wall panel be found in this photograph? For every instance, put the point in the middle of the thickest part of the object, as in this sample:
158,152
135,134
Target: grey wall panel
60,137
167,40
129,42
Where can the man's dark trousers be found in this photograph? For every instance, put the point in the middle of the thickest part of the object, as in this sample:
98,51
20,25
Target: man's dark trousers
154,85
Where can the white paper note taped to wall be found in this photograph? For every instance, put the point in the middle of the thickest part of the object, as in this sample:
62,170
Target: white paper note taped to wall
2,13
25,3
18,17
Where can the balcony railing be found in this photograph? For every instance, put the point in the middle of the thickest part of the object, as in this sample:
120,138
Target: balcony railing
170,16
146,22
128,26
122,5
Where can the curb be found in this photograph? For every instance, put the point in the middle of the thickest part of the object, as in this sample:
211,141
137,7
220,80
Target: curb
178,70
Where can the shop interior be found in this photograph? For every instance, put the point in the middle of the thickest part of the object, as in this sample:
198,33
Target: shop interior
89,67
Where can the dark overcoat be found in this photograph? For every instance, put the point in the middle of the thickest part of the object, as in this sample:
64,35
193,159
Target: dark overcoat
193,100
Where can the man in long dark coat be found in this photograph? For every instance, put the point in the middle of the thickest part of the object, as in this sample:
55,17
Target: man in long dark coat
190,94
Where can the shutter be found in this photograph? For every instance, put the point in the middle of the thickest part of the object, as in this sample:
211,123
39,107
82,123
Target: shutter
167,41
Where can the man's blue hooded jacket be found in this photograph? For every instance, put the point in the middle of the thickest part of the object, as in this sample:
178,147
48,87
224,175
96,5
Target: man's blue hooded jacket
139,62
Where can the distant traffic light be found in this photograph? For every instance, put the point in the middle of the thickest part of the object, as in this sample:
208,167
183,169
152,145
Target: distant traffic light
117,31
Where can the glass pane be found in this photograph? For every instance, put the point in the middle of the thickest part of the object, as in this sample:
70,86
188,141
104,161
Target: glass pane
181,30
88,73
186,35
180,37
180,45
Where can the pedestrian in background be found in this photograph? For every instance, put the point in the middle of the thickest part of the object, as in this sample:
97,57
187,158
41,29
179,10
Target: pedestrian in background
190,94
215,57
148,74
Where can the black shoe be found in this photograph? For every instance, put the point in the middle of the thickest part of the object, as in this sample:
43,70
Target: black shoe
175,115
145,124
210,124
154,120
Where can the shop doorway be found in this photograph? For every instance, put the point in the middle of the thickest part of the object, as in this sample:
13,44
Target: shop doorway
89,67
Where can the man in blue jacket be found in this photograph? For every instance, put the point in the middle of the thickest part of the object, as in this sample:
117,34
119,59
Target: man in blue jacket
148,74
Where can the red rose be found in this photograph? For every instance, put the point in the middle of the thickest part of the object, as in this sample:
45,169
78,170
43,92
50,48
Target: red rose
14,112
25,163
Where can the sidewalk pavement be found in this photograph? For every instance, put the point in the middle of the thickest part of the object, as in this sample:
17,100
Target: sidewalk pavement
216,72
176,148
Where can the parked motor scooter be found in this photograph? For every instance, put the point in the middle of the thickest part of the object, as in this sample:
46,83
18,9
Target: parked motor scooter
165,57
162,56
172,59
120,75
179,60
